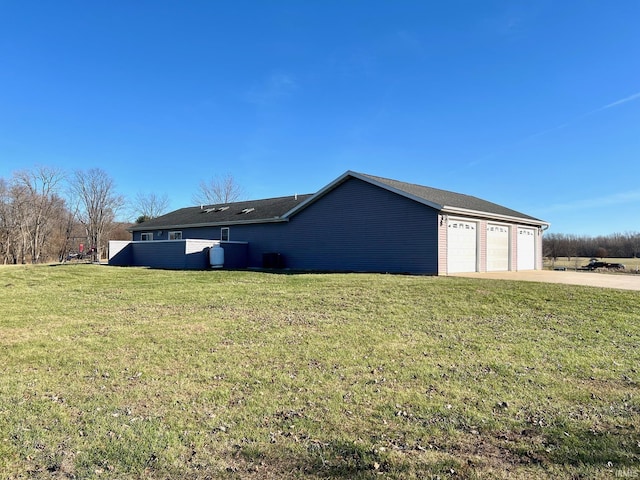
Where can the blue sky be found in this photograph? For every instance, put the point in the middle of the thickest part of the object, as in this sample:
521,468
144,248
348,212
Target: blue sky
532,105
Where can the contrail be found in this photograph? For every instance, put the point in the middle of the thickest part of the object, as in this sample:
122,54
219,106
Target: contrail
542,133
630,98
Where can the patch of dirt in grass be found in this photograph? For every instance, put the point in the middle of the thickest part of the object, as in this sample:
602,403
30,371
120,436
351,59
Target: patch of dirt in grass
502,450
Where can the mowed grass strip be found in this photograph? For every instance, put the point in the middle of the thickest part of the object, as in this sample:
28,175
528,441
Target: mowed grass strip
136,373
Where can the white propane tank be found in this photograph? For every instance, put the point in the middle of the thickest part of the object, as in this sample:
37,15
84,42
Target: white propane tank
216,256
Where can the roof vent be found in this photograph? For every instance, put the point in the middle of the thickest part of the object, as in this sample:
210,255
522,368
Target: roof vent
247,210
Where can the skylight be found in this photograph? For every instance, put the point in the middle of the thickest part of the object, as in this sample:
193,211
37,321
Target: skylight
216,209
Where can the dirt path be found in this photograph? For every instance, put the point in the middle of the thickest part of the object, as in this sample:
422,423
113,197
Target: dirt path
606,280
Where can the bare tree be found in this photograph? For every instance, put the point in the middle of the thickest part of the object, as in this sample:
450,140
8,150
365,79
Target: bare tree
65,223
616,245
20,218
633,240
218,190
7,223
149,205
99,204
38,189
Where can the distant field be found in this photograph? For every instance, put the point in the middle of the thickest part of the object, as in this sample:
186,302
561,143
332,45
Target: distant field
632,265
133,373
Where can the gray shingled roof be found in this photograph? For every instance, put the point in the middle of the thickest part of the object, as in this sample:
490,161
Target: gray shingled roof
446,199
275,209
249,211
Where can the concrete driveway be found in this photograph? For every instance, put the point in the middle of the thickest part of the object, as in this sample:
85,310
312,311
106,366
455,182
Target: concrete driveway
591,279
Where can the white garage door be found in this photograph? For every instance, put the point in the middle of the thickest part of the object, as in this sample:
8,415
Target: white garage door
497,248
526,249
461,246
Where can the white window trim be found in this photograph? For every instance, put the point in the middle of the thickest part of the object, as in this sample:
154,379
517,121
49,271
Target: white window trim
173,234
146,236
222,234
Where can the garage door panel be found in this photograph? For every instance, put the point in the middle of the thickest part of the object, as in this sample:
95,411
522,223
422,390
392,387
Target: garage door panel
461,246
497,248
526,245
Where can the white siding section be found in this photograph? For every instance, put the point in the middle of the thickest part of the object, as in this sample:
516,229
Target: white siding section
116,246
192,245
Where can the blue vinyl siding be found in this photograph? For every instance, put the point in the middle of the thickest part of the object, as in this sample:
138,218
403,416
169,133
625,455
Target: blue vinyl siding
355,227
123,257
159,254
235,254
167,254
360,227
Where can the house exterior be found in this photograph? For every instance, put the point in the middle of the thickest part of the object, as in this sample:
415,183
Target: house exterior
358,222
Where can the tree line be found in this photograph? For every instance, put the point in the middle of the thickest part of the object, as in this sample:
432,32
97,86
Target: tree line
617,245
47,213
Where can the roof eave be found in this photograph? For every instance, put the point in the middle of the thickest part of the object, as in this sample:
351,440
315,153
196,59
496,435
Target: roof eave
316,196
141,228
398,191
493,216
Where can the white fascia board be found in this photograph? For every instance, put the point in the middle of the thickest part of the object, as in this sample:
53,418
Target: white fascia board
493,216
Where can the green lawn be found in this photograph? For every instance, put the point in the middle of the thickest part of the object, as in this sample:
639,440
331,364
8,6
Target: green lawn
135,373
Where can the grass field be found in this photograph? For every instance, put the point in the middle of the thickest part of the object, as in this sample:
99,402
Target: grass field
134,373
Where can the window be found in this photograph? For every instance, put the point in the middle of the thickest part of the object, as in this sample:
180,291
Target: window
224,234
146,237
175,235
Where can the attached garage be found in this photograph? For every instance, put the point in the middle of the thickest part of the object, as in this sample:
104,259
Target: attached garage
462,246
377,225
526,245
497,248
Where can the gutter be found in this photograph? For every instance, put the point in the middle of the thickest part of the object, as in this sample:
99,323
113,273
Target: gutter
142,228
494,216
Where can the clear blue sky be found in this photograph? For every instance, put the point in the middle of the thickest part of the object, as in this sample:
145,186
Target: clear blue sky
534,105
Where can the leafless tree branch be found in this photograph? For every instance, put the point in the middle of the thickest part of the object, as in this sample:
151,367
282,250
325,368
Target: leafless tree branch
217,190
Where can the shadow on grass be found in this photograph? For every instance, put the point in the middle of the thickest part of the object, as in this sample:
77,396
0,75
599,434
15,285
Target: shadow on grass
345,459
618,446
582,452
